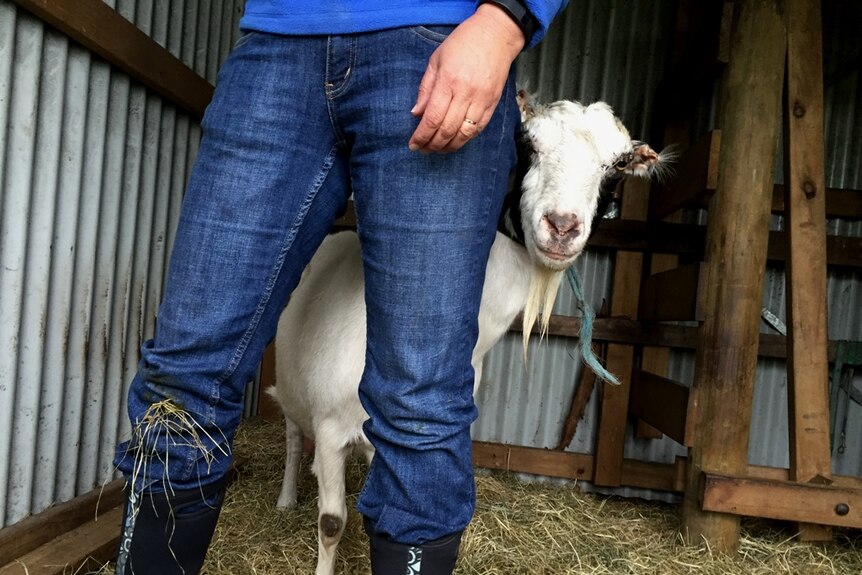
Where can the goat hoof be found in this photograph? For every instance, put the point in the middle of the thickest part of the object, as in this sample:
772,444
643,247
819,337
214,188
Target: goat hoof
330,525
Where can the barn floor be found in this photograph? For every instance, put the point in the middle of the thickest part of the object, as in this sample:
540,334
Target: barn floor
518,529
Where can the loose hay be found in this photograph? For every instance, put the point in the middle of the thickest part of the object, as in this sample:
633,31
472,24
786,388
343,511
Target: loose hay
519,528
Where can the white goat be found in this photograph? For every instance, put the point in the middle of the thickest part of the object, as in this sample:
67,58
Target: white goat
566,152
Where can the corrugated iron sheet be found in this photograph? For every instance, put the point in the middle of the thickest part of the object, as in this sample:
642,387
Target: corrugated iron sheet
92,169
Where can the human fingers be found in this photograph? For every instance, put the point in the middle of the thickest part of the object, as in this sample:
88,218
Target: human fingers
452,124
474,122
433,116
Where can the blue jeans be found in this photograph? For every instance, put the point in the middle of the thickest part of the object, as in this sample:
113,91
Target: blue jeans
295,126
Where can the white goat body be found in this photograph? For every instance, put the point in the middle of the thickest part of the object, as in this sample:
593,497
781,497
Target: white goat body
320,346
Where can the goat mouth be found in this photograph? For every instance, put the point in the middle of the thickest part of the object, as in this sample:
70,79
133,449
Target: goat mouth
555,259
555,255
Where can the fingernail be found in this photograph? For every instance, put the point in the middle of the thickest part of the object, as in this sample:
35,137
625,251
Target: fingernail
413,147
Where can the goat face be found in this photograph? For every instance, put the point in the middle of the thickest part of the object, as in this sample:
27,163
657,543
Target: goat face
575,152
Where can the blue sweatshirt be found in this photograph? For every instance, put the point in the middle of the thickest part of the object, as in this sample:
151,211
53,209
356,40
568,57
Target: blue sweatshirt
312,17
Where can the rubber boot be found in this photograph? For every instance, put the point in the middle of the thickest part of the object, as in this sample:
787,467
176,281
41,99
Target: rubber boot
170,532
435,557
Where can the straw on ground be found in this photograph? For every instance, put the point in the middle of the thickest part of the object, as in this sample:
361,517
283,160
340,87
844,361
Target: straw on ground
519,529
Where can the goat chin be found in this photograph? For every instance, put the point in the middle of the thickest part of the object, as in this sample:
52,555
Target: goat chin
542,293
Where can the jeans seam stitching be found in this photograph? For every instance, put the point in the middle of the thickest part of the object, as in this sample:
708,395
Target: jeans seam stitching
272,280
337,91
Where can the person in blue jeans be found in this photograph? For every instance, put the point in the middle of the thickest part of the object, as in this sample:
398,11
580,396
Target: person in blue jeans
410,106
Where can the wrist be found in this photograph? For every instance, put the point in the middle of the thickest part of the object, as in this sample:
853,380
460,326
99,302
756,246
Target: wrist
517,11
505,28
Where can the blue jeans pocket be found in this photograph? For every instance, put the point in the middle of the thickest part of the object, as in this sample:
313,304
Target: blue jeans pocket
434,34
246,36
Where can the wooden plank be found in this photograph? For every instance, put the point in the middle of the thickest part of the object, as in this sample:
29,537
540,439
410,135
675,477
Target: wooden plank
695,181
840,251
613,412
807,503
839,203
737,235
613,417
100,28
565,465
533,460
783,474
805,202
694,63
36,530
680,239
657,359
673,295
94,542
628,331
662,237
662,403
583,392
580,466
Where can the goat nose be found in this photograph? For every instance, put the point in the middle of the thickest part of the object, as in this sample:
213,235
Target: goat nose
563,223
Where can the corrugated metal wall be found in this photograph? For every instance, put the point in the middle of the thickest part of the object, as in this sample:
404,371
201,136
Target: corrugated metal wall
616,51
92,168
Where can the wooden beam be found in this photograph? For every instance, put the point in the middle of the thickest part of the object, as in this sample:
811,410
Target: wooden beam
839,203
533,460
644,236
662,403
840,251
690,239
88,546
580,466
695,181
807,503
613,412
98,27
805,201
679,239
30,533
737,235
628,331
673,295
583,392
565,465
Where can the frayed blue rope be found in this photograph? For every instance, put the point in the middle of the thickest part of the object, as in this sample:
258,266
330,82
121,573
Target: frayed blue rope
586,338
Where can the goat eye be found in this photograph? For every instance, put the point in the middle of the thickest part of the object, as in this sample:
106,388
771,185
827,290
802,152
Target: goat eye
621,164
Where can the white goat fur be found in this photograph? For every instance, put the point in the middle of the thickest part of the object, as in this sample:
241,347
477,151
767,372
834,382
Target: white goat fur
320,347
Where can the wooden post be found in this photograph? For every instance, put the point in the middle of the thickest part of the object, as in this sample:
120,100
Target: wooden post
737,235
613,416
805,205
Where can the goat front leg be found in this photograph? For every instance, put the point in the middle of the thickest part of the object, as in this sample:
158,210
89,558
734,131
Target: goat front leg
293,439
330,453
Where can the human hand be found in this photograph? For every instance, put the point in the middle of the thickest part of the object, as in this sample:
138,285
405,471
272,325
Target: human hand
464,80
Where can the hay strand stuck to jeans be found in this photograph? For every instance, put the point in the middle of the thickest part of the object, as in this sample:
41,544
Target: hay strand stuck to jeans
519,529
179,428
